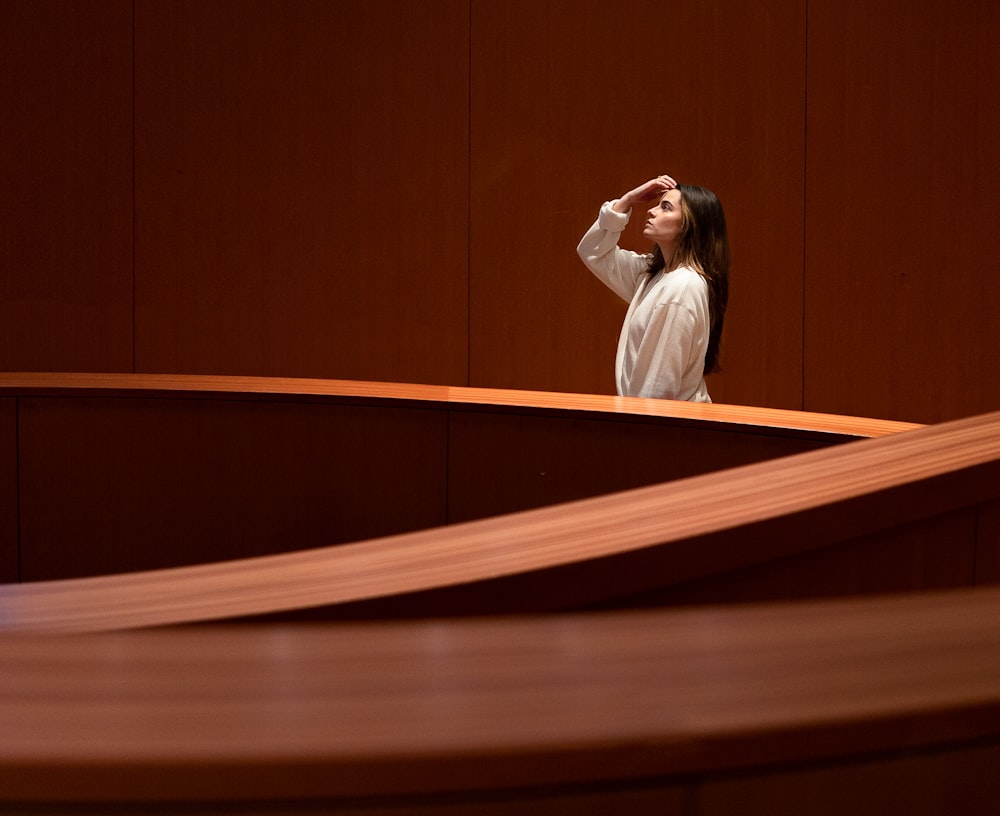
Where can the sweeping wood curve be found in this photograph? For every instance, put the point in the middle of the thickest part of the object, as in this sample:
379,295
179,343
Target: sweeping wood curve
915,510
861,706
201,386
118,473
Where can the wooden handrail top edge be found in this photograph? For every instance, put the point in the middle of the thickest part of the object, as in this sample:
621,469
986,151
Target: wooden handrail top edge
113,384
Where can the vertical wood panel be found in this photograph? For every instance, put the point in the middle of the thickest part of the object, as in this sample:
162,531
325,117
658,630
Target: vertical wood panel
66,186
903,170
302,188
8,491
112,485
573,103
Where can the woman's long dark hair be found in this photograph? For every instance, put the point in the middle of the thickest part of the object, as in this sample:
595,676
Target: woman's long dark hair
703,245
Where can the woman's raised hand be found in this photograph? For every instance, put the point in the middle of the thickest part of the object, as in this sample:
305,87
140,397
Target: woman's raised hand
654,188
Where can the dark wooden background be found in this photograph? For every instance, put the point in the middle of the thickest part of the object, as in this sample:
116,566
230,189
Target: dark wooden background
394,190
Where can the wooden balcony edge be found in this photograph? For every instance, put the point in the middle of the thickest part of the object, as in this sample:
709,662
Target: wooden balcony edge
657,519
193,385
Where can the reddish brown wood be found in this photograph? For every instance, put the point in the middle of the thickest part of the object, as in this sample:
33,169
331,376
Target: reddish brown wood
127,472
693,707
932,553
501,463
66,190
896,513
269,140
594,103
988,544
9,570
738,418
902,170
301,189
927,783
111,485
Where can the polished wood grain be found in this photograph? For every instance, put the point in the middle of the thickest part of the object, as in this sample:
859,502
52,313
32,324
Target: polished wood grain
567,112
66,192
244,387
302,188
902,120
516,713
611,549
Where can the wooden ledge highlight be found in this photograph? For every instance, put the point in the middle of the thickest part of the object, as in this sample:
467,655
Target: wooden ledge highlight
201,386
603,551
523,709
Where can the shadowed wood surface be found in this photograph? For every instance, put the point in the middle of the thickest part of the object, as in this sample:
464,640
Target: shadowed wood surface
118,473
8,490
708,703
987,549
633,547
67,267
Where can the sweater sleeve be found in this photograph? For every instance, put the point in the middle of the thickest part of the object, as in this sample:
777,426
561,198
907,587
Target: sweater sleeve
618,268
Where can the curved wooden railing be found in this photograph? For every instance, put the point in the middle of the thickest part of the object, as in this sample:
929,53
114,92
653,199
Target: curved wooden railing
911,511
28,384
111,473
865,706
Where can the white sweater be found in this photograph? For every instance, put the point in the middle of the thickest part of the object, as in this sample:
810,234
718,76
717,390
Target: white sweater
661,349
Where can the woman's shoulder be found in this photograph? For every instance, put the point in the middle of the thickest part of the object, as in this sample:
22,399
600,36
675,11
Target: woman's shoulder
685,277
683,286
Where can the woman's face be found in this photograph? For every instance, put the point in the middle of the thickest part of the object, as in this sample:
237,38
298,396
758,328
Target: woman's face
666,221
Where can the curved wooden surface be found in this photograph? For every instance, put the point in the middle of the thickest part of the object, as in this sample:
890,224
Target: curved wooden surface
858,705
863,705
117,473
201,386
637,547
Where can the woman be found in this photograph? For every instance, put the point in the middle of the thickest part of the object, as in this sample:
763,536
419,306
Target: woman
677,294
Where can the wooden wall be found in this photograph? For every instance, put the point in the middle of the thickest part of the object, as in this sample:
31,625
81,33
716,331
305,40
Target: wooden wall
302,188
574,106
66,216
902,247
394,190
